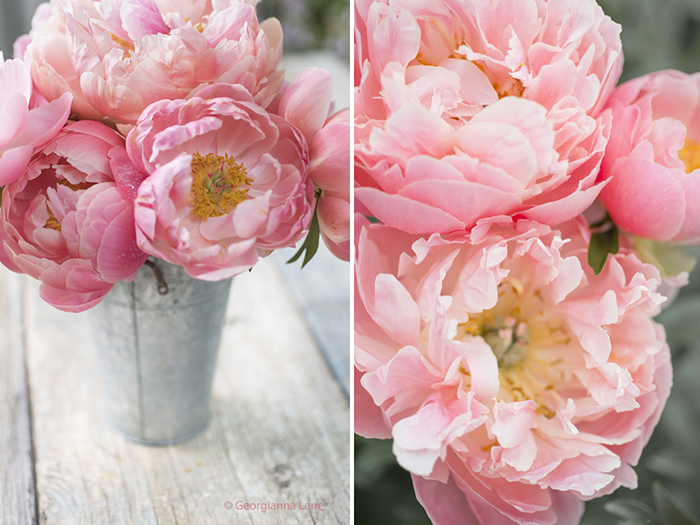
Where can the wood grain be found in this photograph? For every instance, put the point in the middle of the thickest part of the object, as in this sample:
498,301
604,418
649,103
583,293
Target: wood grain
17,493
279,431
321,291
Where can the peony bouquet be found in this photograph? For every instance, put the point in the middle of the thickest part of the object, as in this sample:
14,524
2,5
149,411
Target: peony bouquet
163,128
520,224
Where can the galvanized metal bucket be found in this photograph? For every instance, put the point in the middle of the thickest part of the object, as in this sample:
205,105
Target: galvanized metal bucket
158,337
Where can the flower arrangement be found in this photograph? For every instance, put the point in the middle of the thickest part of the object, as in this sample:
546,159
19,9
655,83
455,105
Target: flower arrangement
521,222
162,128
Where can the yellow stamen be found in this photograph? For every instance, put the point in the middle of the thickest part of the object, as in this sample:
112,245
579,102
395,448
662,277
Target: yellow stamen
690,155
546,412
516,284
75,187
514,88
128,47
52,222
422,61
216,185
516,328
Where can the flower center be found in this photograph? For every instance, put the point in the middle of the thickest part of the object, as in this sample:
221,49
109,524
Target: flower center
76,187
511,88
690,155
500,327
508,340
216,182
128,48
521,335
52,222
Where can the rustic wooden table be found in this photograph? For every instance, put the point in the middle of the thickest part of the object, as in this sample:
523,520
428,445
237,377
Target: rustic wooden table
279,431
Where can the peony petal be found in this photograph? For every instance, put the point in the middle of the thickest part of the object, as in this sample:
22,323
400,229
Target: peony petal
444,503
306,101
141,18
405,214
644,199
368,419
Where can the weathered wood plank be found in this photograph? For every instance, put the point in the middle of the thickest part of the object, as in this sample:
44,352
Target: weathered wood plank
322,292
279,429
17,494
293,445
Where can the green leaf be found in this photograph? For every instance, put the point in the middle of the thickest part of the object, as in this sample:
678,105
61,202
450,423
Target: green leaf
669,509
632,512
668,258
603,243
310,245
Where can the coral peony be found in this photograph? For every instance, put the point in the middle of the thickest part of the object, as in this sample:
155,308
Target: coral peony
25,126
457,60
516,384
305,103
330,171
116,58
228,182
65,222
417,173
653,157
455,57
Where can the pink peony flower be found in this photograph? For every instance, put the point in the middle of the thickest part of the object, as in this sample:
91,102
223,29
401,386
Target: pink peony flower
652,160
418,174
424,62
228,182
65,222
330,171
515,383
118,57
305,103
456,57
25,126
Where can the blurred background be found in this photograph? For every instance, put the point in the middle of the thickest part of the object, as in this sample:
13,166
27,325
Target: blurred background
15,20
656,34
311,24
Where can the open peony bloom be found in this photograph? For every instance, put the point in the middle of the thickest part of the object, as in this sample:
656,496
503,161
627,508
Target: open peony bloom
117,57
653,157
24,127
228,182
515,383
65,222
423,67
330,171
456,57
418,174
